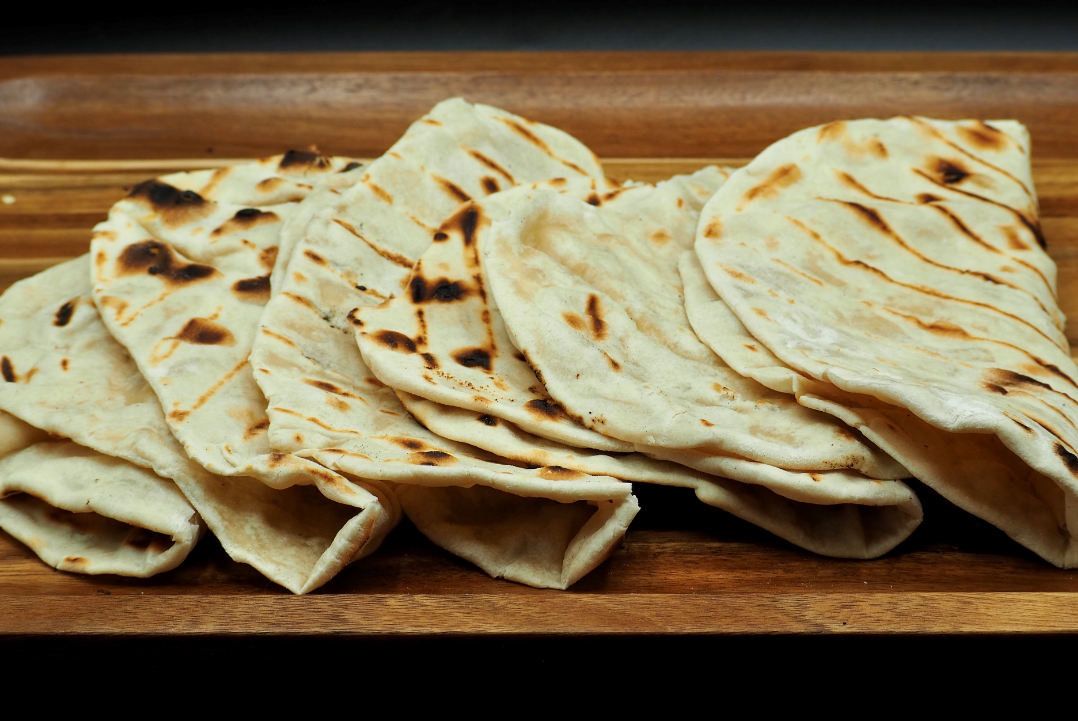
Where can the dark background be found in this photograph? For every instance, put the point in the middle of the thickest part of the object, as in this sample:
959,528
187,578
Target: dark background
277,26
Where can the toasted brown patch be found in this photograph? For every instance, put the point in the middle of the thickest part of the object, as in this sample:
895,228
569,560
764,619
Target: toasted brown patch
473,358
949,172
178,416
713,229
396,341
575,321
328,387
1005,377
430,360
831,131
7,369
431,458
490,185
983,136
268,257
560,473
155,258
202,331
63,316
314,257
411,444
255,290
928,198
614,365
706,423
257,428
63,363
76,561
751,347
175,206
1014,240
782,177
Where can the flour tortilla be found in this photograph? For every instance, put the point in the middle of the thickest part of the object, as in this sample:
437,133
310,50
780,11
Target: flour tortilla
325,404
895,271
86,512
474,387
86,387
593,299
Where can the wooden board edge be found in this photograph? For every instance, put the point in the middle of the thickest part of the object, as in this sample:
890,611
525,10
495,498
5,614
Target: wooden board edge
556,614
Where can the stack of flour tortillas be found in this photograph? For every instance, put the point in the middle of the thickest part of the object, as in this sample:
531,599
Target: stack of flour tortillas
482,332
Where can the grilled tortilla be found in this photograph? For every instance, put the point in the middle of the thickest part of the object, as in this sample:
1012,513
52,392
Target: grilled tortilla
895,272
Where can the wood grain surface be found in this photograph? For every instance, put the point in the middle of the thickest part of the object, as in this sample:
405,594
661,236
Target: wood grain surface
75,133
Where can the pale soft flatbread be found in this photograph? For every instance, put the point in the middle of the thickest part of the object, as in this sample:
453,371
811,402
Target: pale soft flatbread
474,386
85,512
894,271
325,404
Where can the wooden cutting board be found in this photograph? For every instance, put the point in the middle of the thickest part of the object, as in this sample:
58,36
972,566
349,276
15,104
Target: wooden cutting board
75,132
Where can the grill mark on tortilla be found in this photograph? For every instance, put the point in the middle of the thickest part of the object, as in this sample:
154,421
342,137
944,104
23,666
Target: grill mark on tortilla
947,328
301,300
466,220
1069,458
538,142
278,336
942,138
1022,425
801,273
598,325
421,319
852,182
389,255
614,365
181,415
332,388
378,191
7,369
780,178
442,290
431,361
1032,225
1006,377
63,316
491,164
490,185
964,229
320,424
451,188
928,291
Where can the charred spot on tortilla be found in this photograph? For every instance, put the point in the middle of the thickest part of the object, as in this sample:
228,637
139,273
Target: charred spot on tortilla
202,331
431,361
1068,458
542,408
440,236
1006,377
432,458
156,258
928,198
442,290
63,316
598,325
256,289
950,172
303,158
396,341
466,220
560,473
490,185
411,444
353,319
593,199
488,420
351,166
7,369
473,358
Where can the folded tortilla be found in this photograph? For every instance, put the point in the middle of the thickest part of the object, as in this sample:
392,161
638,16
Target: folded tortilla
325,404
893,273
